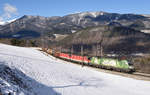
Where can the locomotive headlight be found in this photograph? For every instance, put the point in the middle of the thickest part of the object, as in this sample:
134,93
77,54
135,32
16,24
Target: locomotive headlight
131,67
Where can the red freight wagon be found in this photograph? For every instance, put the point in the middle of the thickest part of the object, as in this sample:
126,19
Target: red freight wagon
64,55
79,58
76,58
86,60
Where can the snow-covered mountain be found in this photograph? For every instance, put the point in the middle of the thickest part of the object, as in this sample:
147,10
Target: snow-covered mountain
31,26
2,23
26,71
94,14
6,22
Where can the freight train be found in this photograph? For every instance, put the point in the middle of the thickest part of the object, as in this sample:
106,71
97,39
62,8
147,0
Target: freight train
104,63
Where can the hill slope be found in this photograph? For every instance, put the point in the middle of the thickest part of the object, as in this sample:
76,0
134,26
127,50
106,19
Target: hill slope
32,73
114,39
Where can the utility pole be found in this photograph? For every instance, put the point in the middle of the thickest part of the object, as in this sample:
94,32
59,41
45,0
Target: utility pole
60,49
81,50
42,40
72,51
82,54
96,49
101,49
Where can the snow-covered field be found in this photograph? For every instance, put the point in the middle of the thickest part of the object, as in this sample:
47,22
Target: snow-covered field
28,71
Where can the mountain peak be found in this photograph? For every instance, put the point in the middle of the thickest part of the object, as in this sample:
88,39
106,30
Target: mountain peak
28,16
93,14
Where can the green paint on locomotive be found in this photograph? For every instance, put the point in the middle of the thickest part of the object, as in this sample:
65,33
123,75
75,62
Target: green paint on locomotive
95,60
122,64
110,62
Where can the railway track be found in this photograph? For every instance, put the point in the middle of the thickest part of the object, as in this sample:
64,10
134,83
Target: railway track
141,74
134,75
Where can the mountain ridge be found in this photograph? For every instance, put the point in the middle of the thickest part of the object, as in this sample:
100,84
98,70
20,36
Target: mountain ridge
48,26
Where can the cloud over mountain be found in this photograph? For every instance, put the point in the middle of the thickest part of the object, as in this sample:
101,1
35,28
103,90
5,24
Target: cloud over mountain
8,12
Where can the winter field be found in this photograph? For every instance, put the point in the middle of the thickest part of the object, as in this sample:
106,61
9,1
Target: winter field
26,71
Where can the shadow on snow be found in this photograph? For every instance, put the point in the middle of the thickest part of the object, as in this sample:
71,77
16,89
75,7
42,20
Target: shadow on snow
17,77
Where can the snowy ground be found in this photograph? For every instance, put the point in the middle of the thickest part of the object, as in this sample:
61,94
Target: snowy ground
30,71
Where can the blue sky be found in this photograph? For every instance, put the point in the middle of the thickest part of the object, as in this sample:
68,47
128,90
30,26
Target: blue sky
63,7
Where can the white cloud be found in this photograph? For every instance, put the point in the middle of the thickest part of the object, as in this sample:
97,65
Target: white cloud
1,19
8,12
